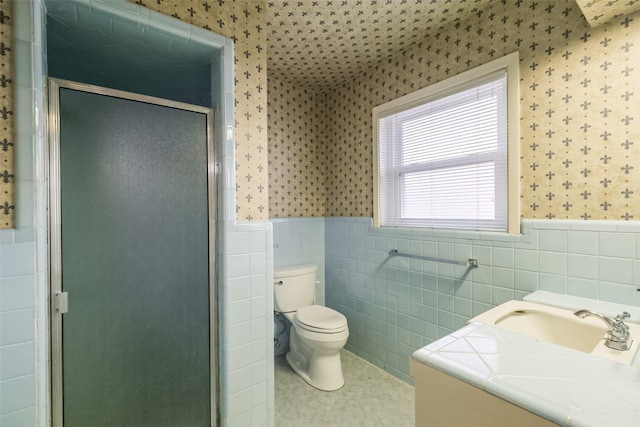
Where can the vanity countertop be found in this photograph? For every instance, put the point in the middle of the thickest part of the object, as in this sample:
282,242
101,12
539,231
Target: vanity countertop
566,386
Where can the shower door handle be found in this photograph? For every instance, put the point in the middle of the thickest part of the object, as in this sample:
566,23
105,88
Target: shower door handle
61,302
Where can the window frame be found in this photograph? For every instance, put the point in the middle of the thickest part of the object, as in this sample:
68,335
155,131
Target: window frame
455,84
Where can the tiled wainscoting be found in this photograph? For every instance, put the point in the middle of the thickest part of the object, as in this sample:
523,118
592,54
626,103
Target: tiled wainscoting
17,328
397,305
246,330
300,241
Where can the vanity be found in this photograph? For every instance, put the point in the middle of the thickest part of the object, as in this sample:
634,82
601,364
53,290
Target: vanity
532,363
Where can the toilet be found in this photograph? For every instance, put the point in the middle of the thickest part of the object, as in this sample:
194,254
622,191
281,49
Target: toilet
317,333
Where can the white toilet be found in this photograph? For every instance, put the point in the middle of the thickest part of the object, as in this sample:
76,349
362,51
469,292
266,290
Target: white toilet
318,333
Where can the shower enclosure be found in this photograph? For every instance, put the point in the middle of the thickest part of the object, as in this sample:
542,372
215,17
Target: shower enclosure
132,212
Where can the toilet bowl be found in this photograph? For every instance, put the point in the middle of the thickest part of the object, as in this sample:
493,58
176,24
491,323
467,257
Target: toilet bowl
315,346
317,333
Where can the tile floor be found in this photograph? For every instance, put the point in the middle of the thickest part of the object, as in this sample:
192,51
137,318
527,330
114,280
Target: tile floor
370,397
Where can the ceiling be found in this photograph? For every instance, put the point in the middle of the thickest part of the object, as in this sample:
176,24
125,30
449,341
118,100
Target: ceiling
322,43
311,43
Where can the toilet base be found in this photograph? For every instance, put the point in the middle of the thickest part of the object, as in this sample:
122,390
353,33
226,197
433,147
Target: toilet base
318,363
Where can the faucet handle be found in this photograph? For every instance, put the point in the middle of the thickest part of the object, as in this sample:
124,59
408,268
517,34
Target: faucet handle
620,329
619,320
624,315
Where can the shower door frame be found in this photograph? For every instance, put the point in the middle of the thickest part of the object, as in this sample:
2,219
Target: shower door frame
58,304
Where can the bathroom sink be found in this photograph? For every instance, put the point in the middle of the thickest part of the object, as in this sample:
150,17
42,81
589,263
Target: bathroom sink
558,326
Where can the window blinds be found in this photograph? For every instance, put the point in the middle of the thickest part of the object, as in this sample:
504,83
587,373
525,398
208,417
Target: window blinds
444,163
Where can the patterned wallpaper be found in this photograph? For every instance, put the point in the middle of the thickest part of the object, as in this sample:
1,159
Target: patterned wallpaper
297,160
599,12
579,90
321,43
580,125
244,22
7,141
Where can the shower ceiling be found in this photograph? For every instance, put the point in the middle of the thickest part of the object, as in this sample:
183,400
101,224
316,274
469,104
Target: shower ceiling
322,43
90,46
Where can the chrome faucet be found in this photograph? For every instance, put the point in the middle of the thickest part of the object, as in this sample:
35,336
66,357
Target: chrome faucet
618,333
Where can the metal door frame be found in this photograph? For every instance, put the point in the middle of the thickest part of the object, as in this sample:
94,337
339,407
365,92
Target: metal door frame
56,297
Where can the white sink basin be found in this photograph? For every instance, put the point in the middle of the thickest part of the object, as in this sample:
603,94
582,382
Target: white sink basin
558,326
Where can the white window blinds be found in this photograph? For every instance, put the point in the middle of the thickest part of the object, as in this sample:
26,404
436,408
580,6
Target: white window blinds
444,163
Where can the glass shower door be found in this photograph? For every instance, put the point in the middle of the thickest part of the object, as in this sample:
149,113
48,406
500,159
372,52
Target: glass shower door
136,264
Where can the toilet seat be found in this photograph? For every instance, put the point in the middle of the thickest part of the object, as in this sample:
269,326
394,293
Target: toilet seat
320,319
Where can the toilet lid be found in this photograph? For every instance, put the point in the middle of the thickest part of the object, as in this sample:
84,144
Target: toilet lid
318,318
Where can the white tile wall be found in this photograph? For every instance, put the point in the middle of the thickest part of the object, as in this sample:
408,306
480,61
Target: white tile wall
397,305
300,241
246,341
17,332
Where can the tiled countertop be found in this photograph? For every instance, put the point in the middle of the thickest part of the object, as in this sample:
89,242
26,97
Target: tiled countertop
566,386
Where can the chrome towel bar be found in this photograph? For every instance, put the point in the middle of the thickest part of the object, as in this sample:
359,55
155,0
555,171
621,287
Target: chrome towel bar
471,262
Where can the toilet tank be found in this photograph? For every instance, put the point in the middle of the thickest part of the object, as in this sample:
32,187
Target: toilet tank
294,287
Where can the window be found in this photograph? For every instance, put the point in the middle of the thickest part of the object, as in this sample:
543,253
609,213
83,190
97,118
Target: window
447,155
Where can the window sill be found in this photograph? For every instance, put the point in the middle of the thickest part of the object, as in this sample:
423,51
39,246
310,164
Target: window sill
456,233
